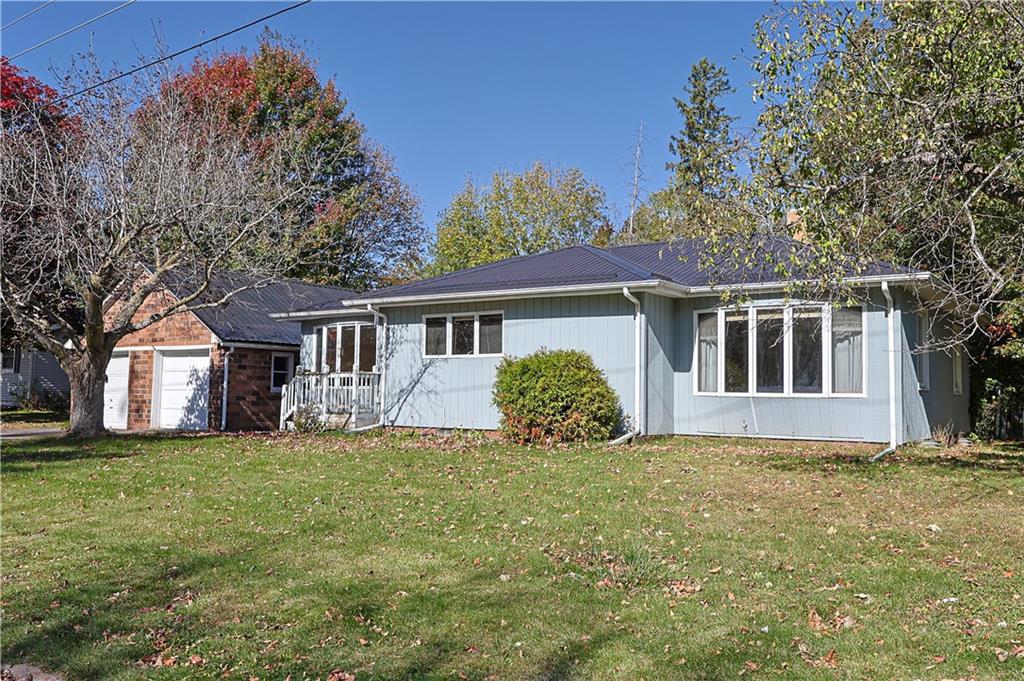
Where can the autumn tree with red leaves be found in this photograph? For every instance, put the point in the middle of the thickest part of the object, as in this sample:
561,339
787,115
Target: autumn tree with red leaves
364,226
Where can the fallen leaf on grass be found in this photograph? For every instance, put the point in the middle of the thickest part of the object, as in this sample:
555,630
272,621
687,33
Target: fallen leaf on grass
338,675
675,588
829,660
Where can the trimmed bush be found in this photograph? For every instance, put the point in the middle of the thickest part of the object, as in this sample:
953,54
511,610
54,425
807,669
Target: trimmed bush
555,396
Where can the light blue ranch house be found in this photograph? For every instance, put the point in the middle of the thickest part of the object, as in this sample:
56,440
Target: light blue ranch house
424,354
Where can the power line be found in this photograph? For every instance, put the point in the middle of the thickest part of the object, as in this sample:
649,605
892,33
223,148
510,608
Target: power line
26,15
71,30
183,51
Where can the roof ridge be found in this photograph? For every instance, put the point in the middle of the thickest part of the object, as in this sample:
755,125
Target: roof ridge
632,268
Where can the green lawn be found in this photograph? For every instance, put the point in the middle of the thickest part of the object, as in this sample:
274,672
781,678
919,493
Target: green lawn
31,419
393,557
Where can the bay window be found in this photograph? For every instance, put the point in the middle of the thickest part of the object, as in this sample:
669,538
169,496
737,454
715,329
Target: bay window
803,350
461,335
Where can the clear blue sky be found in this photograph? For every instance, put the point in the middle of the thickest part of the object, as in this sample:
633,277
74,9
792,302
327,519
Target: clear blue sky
458,89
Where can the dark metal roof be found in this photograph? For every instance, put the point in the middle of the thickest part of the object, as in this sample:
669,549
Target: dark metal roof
244,318
677,262
572,266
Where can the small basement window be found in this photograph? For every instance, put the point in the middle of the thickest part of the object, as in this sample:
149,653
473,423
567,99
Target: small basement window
280,371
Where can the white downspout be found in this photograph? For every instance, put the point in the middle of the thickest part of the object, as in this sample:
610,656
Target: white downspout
383,370
224,392
891,314
638,382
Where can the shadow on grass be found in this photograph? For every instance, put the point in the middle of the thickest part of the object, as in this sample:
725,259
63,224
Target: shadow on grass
30,455
953,459
101,628
22,417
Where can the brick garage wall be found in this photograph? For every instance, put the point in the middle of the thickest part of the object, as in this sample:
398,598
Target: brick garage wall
251,405
140,389
178,329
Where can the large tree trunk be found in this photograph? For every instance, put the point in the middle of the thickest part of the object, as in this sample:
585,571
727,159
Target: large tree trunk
87,375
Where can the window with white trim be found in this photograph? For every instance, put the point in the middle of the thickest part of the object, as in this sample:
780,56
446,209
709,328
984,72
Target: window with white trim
958,372
847,326
280,371
922,361
707,352
800,350
807,357
464,334
737,353
12,361
346,347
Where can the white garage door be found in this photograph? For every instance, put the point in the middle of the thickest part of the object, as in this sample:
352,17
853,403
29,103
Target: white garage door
184,391
115,392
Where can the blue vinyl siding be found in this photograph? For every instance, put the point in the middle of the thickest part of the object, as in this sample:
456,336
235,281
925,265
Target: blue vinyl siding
924,410
661,351
455,392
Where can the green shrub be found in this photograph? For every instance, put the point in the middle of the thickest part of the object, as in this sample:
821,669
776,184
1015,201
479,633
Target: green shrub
555,396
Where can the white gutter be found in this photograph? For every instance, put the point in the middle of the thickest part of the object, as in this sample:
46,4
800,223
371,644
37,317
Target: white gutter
382,361
224,391
593,289
638,382
914,277
659,286
891,314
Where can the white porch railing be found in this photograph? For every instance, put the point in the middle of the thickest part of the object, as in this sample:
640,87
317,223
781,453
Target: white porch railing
354,393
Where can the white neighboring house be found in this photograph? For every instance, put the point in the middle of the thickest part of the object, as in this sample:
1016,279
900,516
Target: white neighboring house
36,372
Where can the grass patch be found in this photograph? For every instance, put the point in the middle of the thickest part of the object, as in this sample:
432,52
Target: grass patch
396,556
31,419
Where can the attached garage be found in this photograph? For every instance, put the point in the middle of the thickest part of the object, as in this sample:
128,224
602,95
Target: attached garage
115,393
213,368
182,390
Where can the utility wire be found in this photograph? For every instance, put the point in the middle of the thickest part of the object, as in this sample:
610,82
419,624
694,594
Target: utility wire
26,15
183,51
71,30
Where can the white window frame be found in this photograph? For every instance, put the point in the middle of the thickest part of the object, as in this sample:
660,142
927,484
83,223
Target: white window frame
787,312
922,360
448,316
958,371
322,360
291,370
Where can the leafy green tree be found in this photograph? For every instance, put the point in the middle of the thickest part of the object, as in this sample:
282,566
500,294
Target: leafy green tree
897,132
538,210
363,224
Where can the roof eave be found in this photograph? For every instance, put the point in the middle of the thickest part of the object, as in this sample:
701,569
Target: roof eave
535,292
915,278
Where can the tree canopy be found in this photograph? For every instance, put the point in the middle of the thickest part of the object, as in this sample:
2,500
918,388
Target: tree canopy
897,132
364,226
537,210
